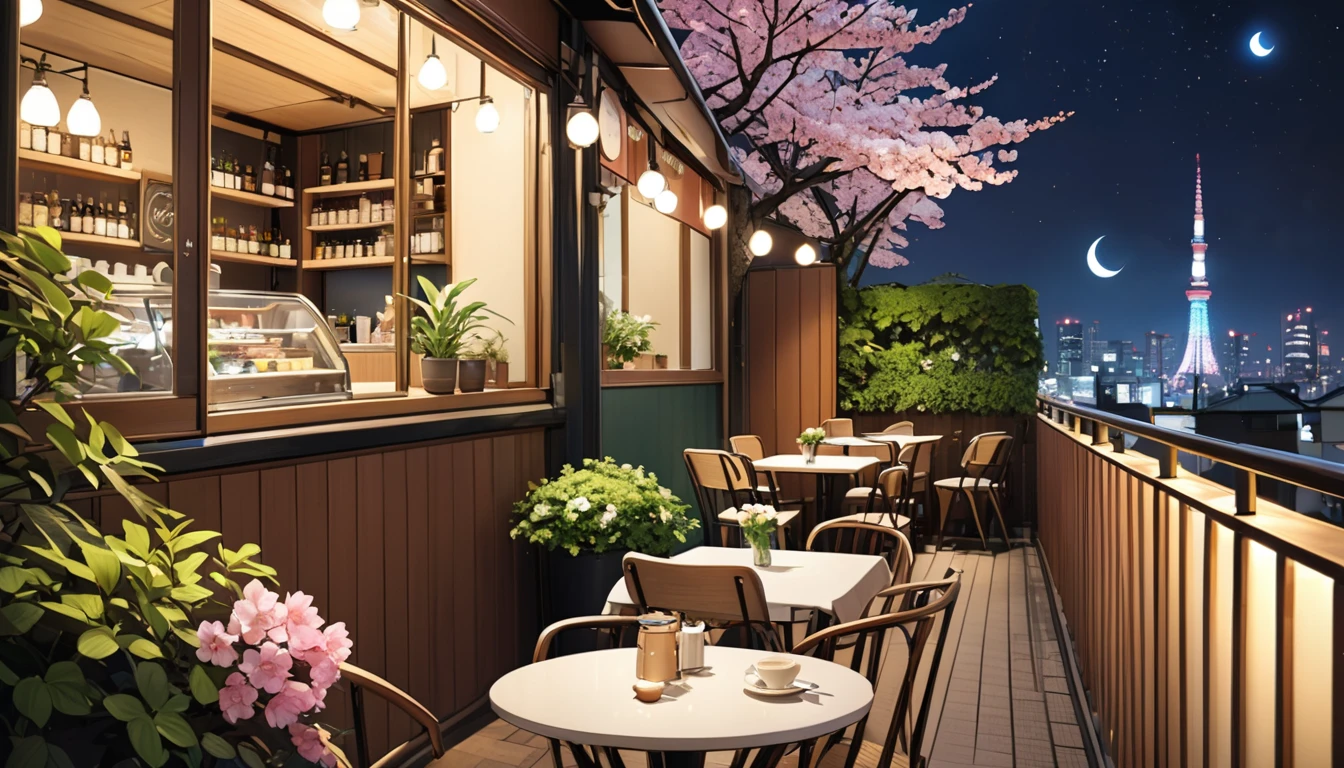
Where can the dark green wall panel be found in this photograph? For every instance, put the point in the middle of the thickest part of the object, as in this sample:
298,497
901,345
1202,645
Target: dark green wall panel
653,425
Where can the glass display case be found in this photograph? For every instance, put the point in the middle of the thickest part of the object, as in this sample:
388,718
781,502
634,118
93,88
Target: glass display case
145,341
270,349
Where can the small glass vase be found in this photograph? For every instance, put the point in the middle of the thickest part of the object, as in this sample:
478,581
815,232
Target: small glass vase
760,552
809,453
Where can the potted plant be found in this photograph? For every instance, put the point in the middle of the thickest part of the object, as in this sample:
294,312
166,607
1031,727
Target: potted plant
496,361
588,519
471,369
141,648
758,525
808,442
626,337
439,333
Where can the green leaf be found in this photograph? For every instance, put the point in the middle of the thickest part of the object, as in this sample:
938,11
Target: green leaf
95,282
103,562
187,636
250,756
97,643
122,446
137,538
152,682
91,605
124,707
202,687
189,540
69,698
65,672
173,728
155,618
176,703
148,745
53,293
7,675
65,441
13,578
67,611
217,747
57,412
28,752
33,700
145,649
57,758
18,618
191,593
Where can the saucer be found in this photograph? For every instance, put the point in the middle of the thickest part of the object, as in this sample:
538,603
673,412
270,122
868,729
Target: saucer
753,684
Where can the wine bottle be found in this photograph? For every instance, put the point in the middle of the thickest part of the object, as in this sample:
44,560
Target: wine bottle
289,184
268,179
100,220
126,155
324,173
76,216
123,226
54,209
112,150
343,169
88,217
25,210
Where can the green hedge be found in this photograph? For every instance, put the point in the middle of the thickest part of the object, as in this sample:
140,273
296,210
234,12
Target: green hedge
940,348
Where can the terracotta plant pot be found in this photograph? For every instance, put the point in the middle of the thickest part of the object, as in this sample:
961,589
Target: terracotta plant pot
660,362
497,375
471,375
439,374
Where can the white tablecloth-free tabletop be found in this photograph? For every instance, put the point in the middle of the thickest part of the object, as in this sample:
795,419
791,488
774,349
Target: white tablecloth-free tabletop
835,583
586,698
794,463
901,440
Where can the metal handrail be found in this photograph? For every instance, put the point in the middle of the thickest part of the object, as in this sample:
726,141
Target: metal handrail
1251,462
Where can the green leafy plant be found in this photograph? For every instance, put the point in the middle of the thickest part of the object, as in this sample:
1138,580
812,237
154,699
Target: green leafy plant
939,348
626,337
812,436
492,348
99,650
601,507
441,332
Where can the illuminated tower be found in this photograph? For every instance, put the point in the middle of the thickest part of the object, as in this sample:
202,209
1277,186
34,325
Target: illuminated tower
1199,358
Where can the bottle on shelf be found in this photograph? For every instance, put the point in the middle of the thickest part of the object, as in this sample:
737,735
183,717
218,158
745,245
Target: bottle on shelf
39,138
289,184
41,213
88,224
342,215
54,209
126,154
96,150
253,244
76,216
434,163
123,225
25,210
112,150
286,250
320,250
54,140
25,135
376,211
100,220
388,212
237,179
380,245
324,173
249,180
231,239
315,218
365,209
268,181
69,145
216,172
85,149
217,233
131,226
363,167
343,168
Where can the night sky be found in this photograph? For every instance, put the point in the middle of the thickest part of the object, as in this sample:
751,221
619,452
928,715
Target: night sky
1153,83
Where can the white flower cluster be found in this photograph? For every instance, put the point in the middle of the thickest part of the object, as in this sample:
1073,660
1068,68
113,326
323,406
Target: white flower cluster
812,436
756,515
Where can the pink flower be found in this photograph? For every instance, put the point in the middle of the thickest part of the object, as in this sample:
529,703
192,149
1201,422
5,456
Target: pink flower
236,698
324,674
286,706
302,639
299,612
216,644
259,615
308,741
338,642
267,669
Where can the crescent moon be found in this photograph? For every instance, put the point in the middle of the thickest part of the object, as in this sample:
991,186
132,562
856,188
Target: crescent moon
1257,48
1095,265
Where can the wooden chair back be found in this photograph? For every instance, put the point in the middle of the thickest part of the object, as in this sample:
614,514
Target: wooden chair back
858,538
926,610
721,480
838,427
748,445
900,428
723,594
883,452
362,681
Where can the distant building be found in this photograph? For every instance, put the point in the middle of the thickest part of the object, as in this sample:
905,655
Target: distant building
1155,354
1236,356
1300,352
1069,349
1093,346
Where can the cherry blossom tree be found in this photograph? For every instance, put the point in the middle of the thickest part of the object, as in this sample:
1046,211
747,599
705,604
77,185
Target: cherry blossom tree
836,133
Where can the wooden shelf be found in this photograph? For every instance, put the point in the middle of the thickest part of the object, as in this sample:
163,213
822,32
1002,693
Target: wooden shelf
426,214
252,198
356,263
351,188
80,237
342,227
434,175
76,167
251,258
429,258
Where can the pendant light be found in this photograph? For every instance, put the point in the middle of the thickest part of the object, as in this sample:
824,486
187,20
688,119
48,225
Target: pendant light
432,74
651,182
806,255
341,15
29,11
487,117
581,127
39,105
715,217
760,243
83,118
666,201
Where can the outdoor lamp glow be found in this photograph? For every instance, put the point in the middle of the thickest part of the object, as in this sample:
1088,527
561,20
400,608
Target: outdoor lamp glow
650,183
83,118
806,255
29,11
666,201
432,75
39,105
715,217
760,243
582,127
341,14
487,117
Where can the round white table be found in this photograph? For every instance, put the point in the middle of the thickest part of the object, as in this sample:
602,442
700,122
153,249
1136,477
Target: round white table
587,699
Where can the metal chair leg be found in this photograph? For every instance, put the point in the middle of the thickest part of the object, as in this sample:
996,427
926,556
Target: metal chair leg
975,515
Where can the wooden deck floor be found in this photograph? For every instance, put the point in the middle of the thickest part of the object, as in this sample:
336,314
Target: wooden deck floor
1001,698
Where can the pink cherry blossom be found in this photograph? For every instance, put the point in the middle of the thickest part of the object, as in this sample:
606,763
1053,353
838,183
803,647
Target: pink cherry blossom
216,644
324,674
284,708
303,638
299,612
260,615
338,642
267,669
307,742
236,698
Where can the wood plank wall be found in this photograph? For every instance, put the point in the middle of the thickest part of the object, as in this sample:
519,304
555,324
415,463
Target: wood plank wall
409,547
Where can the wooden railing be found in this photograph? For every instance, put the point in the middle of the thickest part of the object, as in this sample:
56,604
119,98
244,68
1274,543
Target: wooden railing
1209,624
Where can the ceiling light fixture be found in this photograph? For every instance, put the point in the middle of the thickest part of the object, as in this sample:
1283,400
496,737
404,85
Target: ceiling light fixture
341,15
432,75
581,126
760,243
83,118
651,182
487,117
39,105
715,217
29,11
665,201
806,255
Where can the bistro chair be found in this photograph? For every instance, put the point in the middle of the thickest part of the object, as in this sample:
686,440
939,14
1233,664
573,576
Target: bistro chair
718,476
724,596
887,502
920,458
900,428
859,538
753,449
360,681
859,644
838,427
983,466
611,632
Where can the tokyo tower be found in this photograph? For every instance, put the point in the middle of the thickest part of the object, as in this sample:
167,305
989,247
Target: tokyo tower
1199,359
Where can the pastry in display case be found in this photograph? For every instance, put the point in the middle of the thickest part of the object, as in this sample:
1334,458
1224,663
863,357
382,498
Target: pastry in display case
269,349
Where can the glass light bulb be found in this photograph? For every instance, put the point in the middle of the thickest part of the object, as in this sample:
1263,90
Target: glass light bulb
666,201
487,118
432,75
715,217
581,129
760,243
650,183
39,106
341,14
83,118
29,11
806,255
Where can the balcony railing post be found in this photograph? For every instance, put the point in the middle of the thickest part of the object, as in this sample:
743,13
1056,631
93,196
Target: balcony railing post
1101,433
1245,487
1167,463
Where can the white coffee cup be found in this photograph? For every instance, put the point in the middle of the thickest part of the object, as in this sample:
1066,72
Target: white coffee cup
777,672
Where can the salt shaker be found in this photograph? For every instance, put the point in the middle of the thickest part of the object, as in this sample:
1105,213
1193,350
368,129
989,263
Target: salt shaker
656,660
691,647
